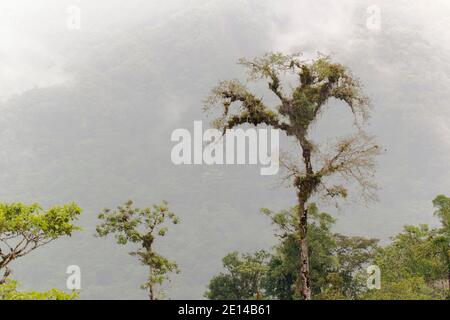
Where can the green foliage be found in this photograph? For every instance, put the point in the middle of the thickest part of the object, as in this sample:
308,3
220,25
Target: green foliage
23,228
243,279
442,203
410,288
337,262
409,255
21,219
8,291
283,267
416,265
441,238
141,226
353,255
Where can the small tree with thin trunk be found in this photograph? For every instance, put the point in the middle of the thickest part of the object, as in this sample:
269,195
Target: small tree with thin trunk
317,81
142,226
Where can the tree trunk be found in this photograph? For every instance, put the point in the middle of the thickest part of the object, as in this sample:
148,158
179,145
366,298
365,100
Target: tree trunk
305,189
6,274
303,281
151,293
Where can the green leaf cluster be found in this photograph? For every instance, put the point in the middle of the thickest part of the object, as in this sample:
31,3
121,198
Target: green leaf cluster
8,291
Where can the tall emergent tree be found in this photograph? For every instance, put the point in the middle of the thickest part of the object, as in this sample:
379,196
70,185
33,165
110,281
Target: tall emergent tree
24,228
317,82
141,226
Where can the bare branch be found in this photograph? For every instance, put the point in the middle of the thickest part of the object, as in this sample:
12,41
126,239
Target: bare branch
353,159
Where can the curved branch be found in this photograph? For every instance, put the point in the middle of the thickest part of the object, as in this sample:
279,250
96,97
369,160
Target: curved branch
251,110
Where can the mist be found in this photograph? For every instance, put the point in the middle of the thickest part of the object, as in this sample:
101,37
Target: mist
87,115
